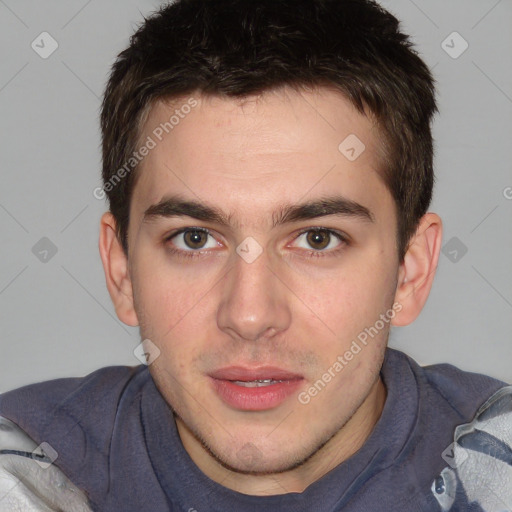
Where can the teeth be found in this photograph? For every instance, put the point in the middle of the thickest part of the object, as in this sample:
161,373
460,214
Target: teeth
256,383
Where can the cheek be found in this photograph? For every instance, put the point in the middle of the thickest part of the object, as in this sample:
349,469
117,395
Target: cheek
167,297
176,315
153,304
350,299
353,354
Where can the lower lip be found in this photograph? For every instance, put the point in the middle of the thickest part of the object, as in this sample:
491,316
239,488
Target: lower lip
258,398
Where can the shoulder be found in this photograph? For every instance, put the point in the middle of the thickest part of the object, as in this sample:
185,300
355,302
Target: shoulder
73,418
467,426
36,407
28,479
479,461
450,388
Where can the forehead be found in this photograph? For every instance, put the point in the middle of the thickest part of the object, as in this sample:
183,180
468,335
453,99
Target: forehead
250,154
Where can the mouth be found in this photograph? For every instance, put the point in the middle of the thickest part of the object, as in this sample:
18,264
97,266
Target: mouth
257,383
254,389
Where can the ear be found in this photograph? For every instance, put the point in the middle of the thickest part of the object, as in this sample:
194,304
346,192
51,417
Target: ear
115,264
416,272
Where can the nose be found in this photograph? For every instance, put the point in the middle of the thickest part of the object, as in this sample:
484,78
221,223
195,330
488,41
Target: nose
254,303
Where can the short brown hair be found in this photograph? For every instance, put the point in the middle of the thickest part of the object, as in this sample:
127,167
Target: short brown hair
237,48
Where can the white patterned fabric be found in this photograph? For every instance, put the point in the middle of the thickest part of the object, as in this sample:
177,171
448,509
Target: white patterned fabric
29,481
480,459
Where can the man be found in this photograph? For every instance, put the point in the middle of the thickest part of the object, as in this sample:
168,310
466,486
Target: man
268,166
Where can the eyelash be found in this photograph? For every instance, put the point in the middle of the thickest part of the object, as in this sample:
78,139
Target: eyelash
332,252
185,254
311,254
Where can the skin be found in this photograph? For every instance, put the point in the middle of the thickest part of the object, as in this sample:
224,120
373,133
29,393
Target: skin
298,306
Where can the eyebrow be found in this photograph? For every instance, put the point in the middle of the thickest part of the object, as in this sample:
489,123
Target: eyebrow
339,206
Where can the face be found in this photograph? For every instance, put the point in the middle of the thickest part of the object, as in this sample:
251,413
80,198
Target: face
259,251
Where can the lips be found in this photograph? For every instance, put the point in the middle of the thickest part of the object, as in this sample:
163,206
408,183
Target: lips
254,389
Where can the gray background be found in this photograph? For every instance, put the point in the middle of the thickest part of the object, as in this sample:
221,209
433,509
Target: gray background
55,314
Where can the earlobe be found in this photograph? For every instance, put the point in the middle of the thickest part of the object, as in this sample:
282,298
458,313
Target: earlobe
417,271
115,265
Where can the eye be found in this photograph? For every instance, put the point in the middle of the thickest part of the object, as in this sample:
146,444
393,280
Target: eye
319,239
193,239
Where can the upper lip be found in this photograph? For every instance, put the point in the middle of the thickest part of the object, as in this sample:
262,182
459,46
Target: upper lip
250,374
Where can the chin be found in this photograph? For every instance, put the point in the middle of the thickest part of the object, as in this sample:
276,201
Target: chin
247,457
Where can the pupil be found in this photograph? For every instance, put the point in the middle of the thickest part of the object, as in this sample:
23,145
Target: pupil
195,239
318,239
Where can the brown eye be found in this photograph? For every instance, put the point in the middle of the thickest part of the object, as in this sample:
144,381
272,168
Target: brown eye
318,239
192,242
195,239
